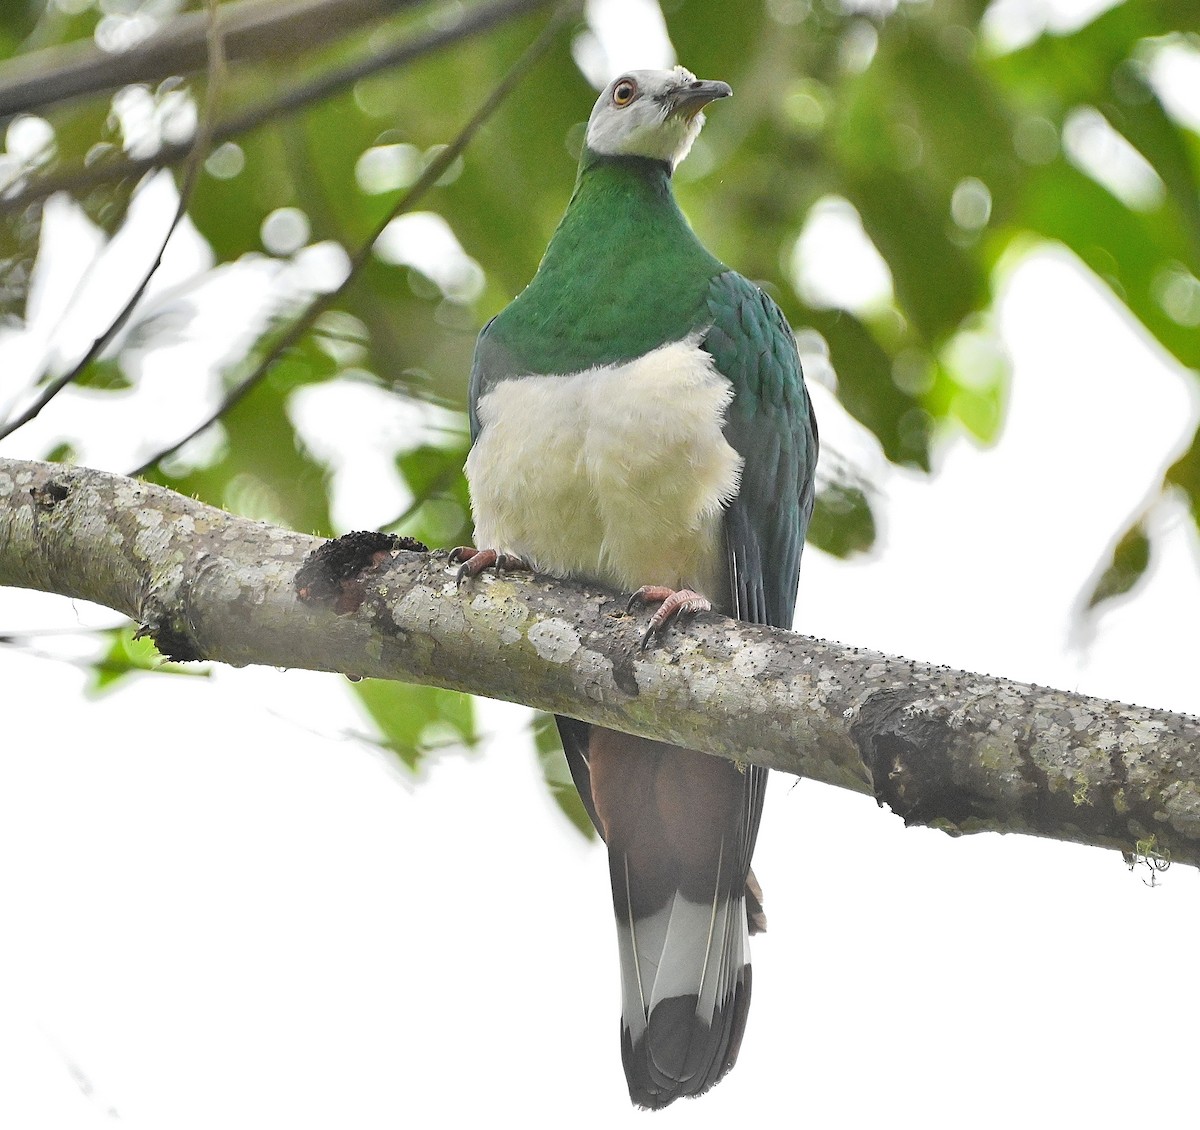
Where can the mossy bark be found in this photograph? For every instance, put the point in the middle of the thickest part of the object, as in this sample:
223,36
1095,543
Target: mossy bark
948,749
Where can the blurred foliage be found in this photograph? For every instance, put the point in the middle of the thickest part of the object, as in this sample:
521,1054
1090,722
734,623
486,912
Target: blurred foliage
417,721
440,513
952,152
1130,558
262,469
127,654
842,522
557,774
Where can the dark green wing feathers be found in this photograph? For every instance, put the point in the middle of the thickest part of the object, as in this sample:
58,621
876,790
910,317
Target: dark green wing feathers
771,425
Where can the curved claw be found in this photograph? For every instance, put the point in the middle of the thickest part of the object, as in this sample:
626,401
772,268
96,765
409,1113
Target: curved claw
648,594
674,603
475,561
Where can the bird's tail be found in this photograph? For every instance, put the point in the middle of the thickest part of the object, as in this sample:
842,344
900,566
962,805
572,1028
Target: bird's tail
685,975
680,828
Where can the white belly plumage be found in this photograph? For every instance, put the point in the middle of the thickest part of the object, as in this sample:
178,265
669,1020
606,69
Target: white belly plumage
617,473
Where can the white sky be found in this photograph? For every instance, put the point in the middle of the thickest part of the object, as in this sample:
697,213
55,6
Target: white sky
221,909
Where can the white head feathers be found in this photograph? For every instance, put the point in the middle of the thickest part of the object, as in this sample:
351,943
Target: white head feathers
654,114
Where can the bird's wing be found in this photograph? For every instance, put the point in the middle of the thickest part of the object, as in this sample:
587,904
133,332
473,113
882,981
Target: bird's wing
770,423
486,369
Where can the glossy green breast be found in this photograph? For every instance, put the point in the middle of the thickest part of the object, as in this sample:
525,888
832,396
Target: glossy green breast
623,274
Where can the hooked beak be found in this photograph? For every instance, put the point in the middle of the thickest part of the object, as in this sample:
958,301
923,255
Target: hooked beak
690,97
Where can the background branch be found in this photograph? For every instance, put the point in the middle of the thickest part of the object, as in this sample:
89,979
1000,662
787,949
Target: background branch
254,29
200,147
473,21
949,749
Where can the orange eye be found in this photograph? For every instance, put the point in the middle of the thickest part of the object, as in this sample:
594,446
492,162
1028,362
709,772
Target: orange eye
624,92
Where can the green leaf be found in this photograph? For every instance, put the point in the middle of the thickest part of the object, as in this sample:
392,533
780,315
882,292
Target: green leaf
127,654
867,389
106,375
229,210
1130,557
929,114
33,24
1141,118
937,283
557,774
970,383
503,210
16,22
1130,251
842,523
709,37
1080,65
263,471
61,453
415,722
440,513
1185,473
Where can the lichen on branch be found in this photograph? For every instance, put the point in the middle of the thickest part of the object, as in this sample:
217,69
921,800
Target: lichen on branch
949,749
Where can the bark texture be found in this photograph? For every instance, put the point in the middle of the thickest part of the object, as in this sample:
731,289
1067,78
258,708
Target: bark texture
949,749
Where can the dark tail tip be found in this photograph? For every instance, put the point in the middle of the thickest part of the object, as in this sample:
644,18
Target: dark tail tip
680,1056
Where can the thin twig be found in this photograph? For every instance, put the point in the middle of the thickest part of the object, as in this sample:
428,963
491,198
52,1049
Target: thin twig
441,481
313,197
199,150
474,21
432,174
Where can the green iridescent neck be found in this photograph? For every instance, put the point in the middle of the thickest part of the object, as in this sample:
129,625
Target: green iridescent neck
621,239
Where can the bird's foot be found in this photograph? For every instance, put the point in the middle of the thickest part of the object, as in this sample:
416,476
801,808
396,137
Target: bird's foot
471,561
671,602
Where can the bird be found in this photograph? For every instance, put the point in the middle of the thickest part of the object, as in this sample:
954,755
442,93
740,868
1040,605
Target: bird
639,419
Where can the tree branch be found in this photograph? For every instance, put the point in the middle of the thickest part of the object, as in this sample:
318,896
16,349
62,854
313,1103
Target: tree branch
254,29
948,749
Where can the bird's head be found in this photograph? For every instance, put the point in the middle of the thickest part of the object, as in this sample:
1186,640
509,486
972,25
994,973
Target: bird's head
655,114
